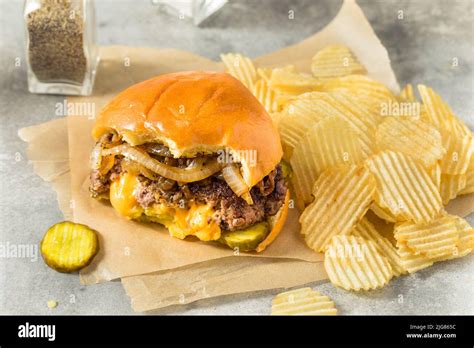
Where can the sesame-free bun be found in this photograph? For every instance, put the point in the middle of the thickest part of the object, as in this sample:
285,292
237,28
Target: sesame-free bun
196,112
276,224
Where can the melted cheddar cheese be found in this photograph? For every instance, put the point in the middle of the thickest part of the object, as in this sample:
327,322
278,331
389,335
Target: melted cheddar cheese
122,196
195,221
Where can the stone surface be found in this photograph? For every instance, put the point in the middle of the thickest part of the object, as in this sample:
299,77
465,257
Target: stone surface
422,47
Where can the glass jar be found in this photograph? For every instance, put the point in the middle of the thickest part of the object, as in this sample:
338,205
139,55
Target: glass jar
195,10
62,56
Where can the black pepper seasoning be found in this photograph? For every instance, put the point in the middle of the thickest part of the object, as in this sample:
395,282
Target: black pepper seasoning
61,53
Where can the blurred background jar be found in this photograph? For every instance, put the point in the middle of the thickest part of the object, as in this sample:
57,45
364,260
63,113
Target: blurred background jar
197,11
61,51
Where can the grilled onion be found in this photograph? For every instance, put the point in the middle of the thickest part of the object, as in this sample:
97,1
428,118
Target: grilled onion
98,161
173,173
248,198
136,168
96,156
157,149
107,164
235,181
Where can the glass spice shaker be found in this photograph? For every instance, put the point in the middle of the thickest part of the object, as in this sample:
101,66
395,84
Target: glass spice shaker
61,52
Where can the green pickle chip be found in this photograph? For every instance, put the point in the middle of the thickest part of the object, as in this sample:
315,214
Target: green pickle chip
286,169
248,239
68,247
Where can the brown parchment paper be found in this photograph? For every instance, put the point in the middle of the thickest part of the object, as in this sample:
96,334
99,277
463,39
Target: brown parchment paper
225,276
153,266
48,152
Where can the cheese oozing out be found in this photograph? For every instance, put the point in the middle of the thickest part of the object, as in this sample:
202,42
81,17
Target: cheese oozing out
197,220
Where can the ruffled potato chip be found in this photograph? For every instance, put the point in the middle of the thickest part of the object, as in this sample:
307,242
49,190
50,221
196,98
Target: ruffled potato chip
434,239
450,186
347,106
366,230
440,114
342,196
407,93
412,137
265,96
459,152
469,188
335,61
241,68
331,142
371,94
289,82
354,263
404,187
382,213
414,261
303,301
297,117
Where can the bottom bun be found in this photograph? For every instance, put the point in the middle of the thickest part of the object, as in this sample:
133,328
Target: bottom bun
276,222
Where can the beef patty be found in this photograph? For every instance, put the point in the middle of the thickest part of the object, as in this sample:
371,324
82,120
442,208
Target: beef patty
231,212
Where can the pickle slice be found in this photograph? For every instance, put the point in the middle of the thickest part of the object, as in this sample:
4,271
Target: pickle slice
162,219
68,247
286,170
248,239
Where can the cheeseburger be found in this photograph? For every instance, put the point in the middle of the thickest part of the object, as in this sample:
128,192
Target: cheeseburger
195,152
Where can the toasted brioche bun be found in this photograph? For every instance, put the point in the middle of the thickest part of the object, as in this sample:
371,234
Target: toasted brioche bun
276,224
196,112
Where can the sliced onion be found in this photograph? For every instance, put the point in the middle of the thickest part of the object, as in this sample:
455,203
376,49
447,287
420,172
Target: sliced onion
115,138
197,162
100,162
136,168
107,164
170,172
157,149
248,198
232,176
96,156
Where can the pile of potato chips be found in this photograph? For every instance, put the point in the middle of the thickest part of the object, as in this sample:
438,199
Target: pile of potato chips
360,153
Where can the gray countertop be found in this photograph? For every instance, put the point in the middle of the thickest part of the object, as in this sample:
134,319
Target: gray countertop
421,46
